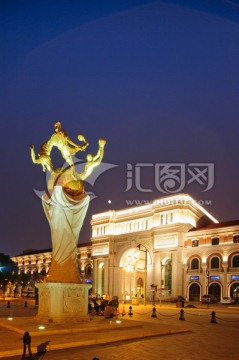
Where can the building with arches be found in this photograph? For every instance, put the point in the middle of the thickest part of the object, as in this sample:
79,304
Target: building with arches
172,243
168,247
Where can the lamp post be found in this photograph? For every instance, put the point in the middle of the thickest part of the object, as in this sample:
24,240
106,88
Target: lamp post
208,280
153,289
145,271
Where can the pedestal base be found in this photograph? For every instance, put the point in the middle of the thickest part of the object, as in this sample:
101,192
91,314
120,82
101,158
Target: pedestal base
63,302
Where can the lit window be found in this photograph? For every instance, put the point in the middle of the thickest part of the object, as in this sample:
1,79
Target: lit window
195,243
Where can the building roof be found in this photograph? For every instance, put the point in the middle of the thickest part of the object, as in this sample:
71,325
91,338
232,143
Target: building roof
34,251
218,225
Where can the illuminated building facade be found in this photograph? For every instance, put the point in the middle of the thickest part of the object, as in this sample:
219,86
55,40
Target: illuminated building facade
39,261
172,243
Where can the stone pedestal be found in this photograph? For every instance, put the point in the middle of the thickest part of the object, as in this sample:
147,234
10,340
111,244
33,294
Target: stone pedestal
63,302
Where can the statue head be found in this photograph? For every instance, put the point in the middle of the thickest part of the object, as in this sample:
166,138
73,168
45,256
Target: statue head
89,157
57,126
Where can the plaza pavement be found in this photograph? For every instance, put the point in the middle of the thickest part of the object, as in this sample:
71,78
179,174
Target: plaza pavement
103,332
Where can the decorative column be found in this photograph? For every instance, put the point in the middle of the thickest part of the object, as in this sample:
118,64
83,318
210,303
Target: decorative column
175,286
106,276
205,285
225,267
95,276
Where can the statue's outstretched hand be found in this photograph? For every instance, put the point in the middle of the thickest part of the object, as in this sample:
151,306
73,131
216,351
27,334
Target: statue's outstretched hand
102,142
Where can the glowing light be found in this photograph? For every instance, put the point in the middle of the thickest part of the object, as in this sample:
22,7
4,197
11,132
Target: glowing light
10,318
129,267
41,327
109,201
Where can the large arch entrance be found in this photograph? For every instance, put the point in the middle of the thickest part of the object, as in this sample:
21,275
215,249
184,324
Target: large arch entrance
234,291
133,274
215,290
194,292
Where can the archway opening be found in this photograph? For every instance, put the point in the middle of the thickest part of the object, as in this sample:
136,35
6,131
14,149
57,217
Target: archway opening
194,292
133,274
215,290
234,291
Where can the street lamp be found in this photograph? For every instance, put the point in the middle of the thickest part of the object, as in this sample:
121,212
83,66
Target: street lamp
153,289
145,271
208,281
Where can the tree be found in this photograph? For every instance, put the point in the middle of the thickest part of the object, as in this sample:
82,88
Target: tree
8,269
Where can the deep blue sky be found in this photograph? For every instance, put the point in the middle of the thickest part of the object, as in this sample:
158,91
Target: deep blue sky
159,80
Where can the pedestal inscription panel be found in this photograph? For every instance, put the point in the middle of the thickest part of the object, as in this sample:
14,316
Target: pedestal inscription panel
61,302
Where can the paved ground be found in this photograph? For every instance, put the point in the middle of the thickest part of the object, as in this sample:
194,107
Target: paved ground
170,338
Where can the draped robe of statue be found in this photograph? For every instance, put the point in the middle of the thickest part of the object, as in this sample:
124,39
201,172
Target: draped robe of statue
65,214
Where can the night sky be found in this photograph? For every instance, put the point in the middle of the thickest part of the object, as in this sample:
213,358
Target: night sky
159,80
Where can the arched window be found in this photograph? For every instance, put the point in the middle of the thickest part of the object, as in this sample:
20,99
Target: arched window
88,270
235,261
215,263
195,264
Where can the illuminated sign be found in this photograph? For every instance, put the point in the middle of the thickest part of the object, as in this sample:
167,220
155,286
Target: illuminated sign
235,277
216,277
194,278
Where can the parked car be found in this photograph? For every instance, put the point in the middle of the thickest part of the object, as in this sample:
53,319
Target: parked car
209,299
227,300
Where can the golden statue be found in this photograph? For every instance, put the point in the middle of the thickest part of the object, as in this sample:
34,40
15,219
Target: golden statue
69,179
66,203
61,140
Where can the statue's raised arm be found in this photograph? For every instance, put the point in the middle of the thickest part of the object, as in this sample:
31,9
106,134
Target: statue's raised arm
92,161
